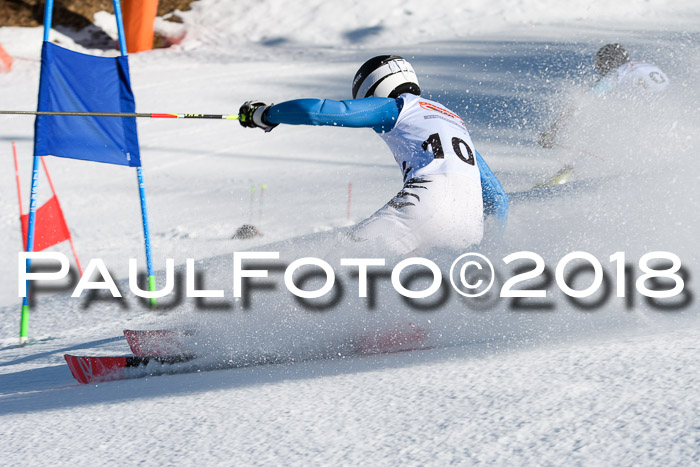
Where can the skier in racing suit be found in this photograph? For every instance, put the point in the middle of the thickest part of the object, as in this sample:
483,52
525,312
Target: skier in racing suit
621,75
618,76
448,187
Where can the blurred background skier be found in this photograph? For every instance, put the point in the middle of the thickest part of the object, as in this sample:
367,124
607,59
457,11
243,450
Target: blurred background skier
621,75
447,186
619,78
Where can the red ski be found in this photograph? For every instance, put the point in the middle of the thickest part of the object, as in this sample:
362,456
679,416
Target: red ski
174,342
158,342
401,338
159,351
88,370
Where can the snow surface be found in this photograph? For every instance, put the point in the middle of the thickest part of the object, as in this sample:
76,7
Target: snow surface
614,386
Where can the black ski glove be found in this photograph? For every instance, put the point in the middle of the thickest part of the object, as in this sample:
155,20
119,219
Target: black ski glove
250,115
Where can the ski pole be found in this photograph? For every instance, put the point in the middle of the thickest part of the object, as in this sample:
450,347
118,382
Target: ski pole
120,114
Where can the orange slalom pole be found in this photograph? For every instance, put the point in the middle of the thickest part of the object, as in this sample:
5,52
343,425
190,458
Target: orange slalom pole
75,255
70,237
19,191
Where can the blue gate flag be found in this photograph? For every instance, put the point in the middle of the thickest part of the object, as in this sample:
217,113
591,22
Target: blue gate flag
75,82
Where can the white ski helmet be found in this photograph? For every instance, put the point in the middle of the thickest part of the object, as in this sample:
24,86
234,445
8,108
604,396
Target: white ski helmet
385,76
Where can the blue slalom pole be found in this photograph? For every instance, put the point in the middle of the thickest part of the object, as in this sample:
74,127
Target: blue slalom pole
48,14
120,26
24,321
139,170
31,228
146,234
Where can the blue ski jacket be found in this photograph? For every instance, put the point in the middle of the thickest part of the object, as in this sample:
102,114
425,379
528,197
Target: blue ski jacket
380,114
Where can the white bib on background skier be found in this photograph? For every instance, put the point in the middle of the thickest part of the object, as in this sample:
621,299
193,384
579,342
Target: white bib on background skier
622,76
632,78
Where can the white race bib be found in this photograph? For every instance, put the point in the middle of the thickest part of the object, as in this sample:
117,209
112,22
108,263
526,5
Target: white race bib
430,139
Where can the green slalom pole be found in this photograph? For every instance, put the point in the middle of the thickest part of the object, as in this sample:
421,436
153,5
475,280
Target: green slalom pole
24,325
152,288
